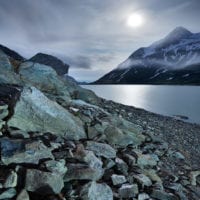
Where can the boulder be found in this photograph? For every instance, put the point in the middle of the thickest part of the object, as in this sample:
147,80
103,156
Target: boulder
35,112
143,180
147,160
44,78
17,151
8,194
43,182
162,195
101,149
96,191
11,180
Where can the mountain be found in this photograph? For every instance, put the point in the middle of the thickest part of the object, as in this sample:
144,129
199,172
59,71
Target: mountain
59,66
12,54
174,59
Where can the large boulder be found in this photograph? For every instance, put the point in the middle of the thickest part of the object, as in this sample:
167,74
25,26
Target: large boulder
35,112
44,78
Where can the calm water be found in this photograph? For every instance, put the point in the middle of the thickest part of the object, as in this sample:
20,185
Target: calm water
165,100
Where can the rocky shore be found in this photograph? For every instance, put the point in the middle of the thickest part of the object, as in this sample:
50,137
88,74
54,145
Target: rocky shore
60,141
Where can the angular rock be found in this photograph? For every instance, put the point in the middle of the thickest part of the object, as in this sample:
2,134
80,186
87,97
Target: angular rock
43,182
11,180
118,179
143,180
152,175
81,172
8,194
57,167
162,195
44,115
143,196
23,195
44,78
121,166
128,190
16,151
193,177
95,191
3,111
101,149
147,160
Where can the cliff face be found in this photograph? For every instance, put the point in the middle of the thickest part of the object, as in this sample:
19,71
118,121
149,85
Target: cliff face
58,142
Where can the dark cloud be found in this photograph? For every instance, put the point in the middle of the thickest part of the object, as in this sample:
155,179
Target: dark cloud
94,29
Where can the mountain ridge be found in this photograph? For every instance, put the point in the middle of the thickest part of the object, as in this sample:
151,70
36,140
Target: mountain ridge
166,61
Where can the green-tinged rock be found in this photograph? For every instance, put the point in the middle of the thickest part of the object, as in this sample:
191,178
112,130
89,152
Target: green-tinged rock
96,191
44,78
23,195
3,111
43,182
143,180
147,160
57,167
35,112
11,180
162,195
8,194
128,190
101,149
16,151
118,179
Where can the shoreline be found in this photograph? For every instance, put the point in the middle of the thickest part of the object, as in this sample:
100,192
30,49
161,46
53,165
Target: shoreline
181,135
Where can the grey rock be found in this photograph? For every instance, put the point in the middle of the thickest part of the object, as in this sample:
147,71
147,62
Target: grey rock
44,78
19,152
128,190
44,115
118,179
23,195
8,194
121,166
11,180
147,160
81,172
57,167
193,177
43,182
143,196
95,191
3,111
101,149
162,195
143,180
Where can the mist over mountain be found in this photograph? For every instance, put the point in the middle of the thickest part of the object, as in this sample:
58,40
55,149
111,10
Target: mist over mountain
175,59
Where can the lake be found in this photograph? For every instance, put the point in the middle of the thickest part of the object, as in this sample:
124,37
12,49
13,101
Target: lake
165,100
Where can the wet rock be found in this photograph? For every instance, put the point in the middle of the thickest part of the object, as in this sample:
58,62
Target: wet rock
128,190
95,191
193,177
121,166
48,116
16,151
162,195
147,160
57,167
11,180
118,179
8,194
43,182
101,149
23,195
143,180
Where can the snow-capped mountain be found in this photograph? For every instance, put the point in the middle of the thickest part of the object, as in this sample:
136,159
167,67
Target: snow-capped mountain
174,59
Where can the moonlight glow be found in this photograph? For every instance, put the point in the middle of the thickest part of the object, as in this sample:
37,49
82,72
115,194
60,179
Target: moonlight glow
135,20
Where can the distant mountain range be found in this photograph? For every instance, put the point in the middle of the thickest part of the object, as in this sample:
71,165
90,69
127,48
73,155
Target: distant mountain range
172,60
58,65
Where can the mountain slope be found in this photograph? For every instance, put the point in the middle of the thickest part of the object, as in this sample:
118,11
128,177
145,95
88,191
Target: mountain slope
59,66
172,60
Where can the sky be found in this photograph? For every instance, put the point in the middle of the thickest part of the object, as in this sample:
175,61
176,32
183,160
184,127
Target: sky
91,35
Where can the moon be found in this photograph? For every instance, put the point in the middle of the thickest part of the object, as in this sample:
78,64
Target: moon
135,20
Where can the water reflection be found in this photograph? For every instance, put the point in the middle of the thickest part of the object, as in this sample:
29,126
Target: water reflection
166,100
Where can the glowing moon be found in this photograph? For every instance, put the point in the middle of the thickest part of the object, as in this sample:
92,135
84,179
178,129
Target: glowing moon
135,20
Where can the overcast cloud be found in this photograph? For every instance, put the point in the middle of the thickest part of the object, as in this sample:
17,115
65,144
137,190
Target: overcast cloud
90,35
